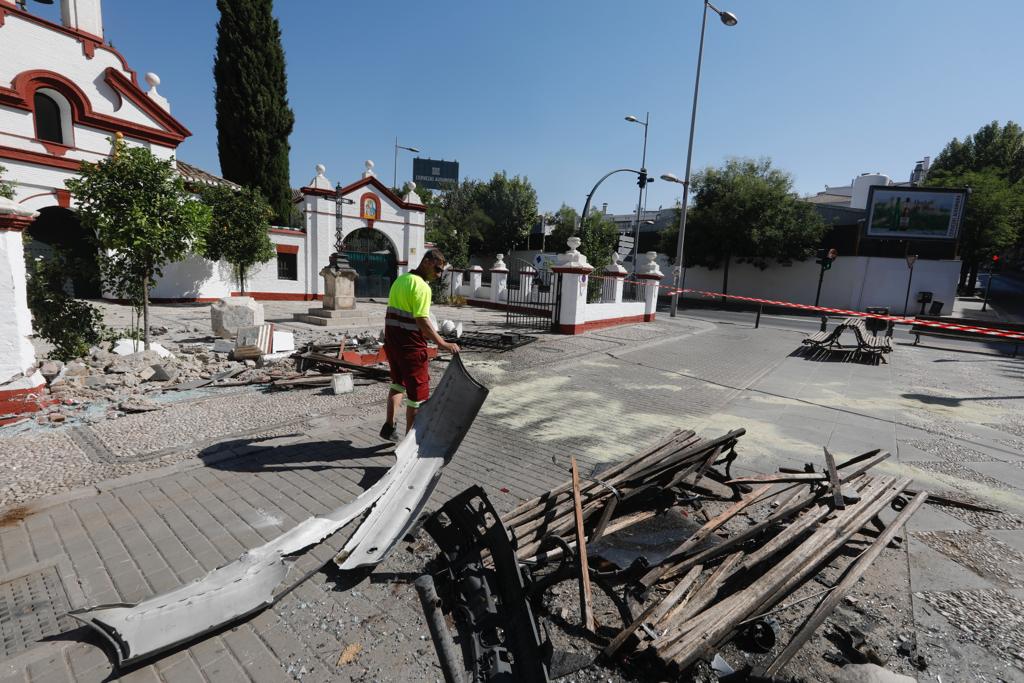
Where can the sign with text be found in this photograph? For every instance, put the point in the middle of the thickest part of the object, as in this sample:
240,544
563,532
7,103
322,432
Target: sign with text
914,212
434,174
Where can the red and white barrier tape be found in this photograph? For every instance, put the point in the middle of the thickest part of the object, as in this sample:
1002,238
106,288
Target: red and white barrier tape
898,320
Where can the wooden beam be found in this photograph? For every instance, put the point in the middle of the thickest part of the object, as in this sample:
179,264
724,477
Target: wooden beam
586,607
833,481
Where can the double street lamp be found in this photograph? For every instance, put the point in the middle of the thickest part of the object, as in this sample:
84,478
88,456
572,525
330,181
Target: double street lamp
729,19
394,177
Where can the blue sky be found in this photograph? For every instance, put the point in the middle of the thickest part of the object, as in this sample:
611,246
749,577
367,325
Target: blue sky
826,88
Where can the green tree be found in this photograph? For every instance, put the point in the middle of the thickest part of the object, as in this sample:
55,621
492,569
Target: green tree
991,163
251,96
456,222
6,189
511,206
142,216
745,210
71,325
238,229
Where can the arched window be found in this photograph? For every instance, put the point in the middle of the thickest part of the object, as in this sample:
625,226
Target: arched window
53,117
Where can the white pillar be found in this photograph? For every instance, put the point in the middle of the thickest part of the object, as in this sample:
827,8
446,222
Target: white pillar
455,281
21,385
476,279
499,279
575,271
611,288
650,275
82,15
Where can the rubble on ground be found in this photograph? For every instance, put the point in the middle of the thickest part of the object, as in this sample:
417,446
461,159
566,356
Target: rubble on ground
114,379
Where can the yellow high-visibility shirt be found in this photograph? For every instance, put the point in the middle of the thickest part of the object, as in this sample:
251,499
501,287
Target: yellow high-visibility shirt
410,293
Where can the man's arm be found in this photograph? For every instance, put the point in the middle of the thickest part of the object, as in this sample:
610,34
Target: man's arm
430,333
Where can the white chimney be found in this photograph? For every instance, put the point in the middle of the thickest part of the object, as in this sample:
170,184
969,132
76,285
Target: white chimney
82,15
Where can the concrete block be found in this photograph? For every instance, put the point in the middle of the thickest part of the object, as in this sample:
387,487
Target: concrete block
127,347
163,373
341,383
283,341
223,346
229,315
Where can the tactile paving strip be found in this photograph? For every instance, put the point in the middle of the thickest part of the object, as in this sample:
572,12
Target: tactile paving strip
32,607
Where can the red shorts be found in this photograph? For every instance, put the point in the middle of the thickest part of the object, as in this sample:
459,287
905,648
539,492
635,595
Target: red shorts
409,371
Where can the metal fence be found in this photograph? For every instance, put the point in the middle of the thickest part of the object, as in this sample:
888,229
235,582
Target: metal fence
533,298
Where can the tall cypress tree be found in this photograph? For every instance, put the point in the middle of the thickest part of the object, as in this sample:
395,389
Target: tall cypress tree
253,116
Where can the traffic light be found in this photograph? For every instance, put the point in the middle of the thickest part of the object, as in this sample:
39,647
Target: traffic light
641,180
826,257
994,265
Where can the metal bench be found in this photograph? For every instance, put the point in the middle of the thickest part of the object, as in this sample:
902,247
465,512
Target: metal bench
928,331
874,346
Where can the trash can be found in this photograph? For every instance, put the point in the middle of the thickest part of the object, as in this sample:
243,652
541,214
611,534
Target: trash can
935,308
874,325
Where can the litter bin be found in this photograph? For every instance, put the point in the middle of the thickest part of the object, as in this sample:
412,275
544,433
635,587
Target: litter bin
874,325
935,308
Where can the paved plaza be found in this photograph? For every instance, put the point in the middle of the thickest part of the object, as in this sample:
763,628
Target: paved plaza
121,509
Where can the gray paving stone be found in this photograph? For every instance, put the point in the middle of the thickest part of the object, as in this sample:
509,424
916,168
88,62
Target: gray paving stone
930,570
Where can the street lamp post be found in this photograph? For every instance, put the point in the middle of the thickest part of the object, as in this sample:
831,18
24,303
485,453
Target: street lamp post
729,19
394,177
641,181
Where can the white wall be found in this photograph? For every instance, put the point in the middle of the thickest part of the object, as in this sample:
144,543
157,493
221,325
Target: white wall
16,353
194,278
595,312
854,282
263,278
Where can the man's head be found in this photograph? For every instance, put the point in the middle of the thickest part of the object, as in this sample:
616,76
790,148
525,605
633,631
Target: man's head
432,265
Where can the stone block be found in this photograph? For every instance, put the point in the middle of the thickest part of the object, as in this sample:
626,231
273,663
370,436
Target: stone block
128,347
163,373
50,369
283,341
229,315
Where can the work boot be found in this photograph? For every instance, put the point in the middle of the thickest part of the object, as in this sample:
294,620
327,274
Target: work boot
389,432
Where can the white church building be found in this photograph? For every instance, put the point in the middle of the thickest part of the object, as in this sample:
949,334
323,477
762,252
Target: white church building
64,93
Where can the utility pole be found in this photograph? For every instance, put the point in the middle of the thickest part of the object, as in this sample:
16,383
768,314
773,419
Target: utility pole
825,259
911,260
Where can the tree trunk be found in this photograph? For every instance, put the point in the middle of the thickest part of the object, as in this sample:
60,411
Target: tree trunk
241,281
725,277
145,314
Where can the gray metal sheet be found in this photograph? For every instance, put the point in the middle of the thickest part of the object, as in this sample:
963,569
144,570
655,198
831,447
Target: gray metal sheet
248,584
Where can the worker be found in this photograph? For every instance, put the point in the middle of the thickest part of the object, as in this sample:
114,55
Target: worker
407,328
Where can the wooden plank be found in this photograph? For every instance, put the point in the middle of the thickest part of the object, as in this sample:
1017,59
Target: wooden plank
843,588
778,478
833,480
655,610
606,515
586,607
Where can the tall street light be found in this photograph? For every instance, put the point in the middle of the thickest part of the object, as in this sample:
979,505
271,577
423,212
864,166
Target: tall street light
394,177
641,181
729,19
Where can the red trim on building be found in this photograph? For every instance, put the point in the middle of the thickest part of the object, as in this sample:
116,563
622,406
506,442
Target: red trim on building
25,84
615,275
316,192
56,148
642,276
601,324
11,223
385,190
15,154
378,205
287,248
290,233
63,198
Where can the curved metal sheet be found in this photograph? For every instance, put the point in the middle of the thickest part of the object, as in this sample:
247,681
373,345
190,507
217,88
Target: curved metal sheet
440,426
248,584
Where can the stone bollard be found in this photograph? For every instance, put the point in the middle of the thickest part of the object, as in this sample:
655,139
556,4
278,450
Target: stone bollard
611,288
499,279
650,276
476,279
574,270
526,276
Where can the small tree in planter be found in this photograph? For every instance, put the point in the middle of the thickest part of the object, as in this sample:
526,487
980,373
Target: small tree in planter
238,229
143,219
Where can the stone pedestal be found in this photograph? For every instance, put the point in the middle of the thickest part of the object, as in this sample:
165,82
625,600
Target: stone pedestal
499,279
339,307
611,288
229,315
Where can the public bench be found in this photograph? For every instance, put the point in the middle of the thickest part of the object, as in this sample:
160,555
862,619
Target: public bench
874,346
928,331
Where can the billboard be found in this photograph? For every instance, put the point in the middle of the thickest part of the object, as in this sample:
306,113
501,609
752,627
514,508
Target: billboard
434,174
914,212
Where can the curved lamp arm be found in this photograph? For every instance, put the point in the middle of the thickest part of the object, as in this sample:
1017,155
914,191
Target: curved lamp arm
586,207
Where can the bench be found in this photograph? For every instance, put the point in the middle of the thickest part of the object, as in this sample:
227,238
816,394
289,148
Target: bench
873,345
824,339
928,331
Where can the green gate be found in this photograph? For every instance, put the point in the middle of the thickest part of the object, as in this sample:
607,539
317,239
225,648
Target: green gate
376,273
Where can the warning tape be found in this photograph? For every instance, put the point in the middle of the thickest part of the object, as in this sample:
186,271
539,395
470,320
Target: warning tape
895,319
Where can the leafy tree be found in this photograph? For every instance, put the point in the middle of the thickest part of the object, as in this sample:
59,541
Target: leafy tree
142,216
238,229
71,325
456,221
251,94
511,206
746,210
6,190
991,163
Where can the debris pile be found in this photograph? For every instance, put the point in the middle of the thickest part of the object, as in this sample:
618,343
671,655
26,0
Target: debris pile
759,546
